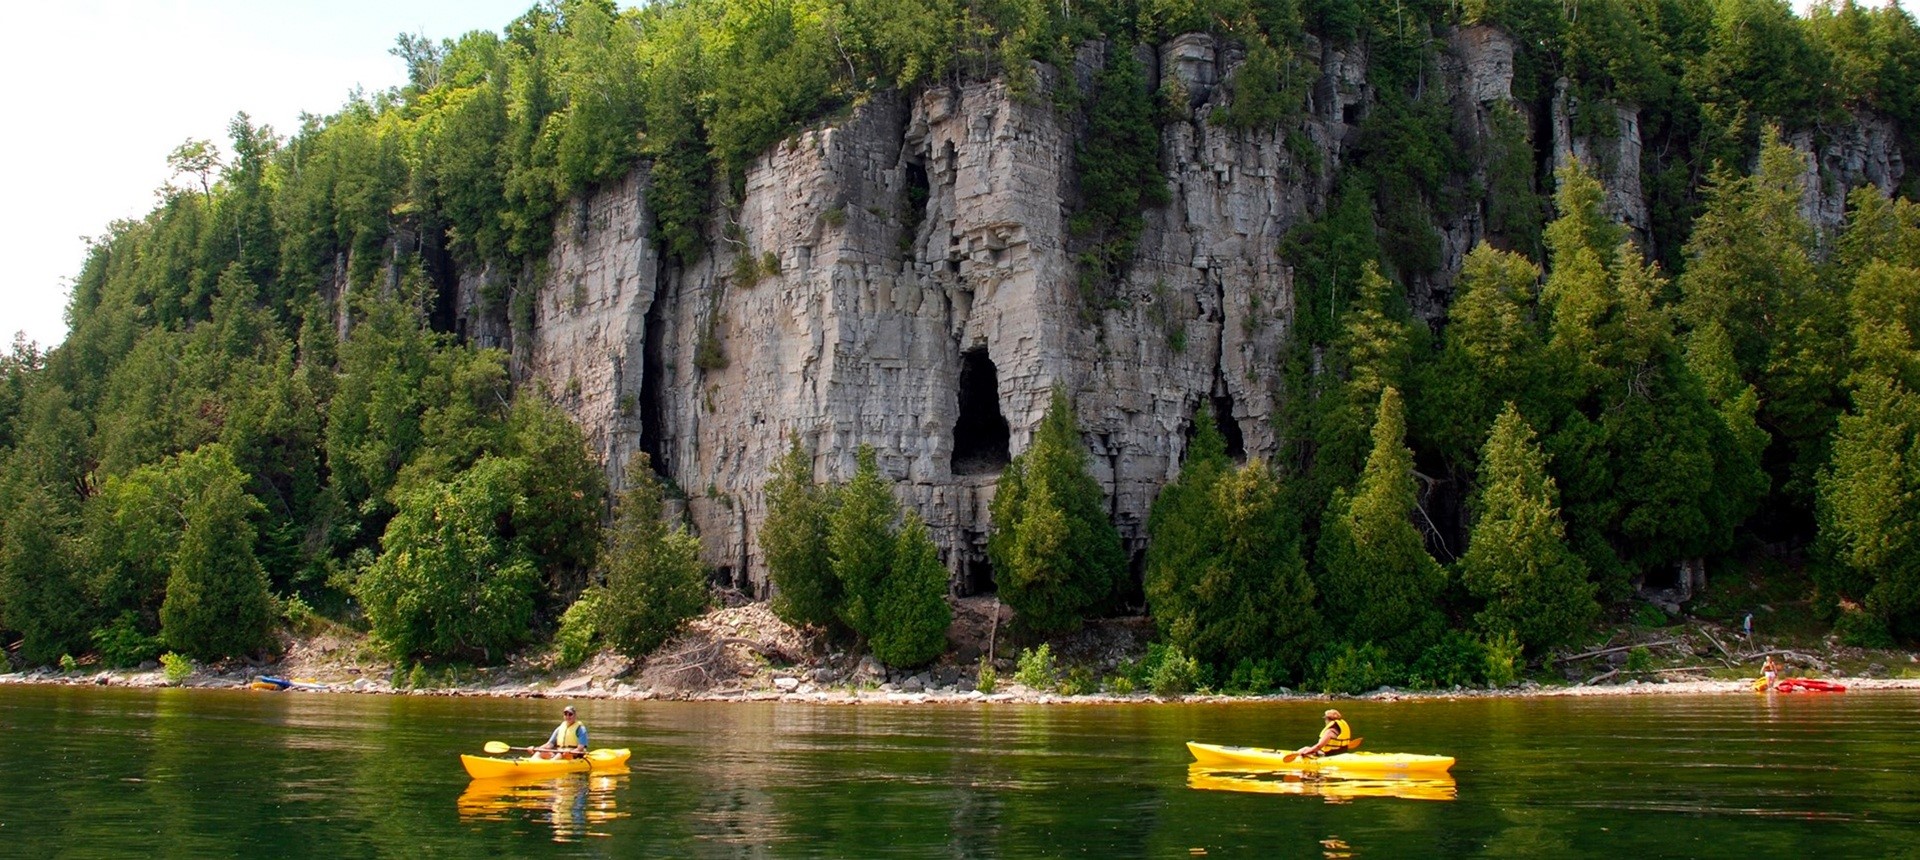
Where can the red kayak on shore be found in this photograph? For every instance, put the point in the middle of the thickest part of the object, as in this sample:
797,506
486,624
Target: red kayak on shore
1809,685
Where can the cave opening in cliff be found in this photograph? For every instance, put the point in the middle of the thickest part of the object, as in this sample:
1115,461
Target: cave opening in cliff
980,437
1229,428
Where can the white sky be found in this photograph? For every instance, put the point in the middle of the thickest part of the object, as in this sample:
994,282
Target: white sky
101,90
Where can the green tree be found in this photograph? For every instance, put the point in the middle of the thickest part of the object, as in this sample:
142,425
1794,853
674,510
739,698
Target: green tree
1225,578
653,580
793,538
1378,583
1518,561
913,614
860,544
1055,553
1752,272
217,604
447,583
41,595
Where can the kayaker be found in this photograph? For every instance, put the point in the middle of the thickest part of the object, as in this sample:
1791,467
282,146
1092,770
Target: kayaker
1335,739
569,739
1771,669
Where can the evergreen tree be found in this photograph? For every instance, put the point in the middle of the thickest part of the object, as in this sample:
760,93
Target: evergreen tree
913,615
1868,512
1183,532
217,603
860,543
1518,561
1055,553
653,580
1751,271
1493,349
41,595
793,538
1378,583
1256,589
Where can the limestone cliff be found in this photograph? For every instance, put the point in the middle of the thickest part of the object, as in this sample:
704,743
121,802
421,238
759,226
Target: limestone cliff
903,276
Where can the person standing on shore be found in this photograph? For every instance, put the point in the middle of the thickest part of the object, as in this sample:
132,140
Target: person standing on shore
1335,739
1771,669
569,739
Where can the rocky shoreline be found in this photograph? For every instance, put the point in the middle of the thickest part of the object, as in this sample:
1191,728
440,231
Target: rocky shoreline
789,689
744,653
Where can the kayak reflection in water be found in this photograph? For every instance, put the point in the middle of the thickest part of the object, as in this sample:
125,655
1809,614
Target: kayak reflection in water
569,739
1335,739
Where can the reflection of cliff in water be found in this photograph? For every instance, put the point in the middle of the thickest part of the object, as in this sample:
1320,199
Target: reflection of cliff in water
1334,790
574,804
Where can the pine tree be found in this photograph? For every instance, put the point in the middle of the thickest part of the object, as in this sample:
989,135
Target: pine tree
1183,532
1870,500
217,603
1256,589
1752,272
793,538
913,614
41,595
860,543
1518,561
1055,553
1493,350
1377,580
652,577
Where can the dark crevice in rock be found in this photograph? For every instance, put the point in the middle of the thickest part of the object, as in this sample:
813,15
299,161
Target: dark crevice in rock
652,390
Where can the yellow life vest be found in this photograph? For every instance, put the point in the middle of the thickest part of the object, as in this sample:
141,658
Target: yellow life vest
569,735
1342,739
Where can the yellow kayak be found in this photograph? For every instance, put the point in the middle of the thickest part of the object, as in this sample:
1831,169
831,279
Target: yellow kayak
1354,763
488,767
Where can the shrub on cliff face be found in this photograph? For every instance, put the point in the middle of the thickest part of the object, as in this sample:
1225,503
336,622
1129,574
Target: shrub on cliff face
1055,554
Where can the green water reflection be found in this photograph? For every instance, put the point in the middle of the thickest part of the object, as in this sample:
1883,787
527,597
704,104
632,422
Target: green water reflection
92,772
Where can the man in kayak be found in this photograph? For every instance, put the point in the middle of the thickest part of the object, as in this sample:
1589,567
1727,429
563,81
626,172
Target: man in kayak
569,739
1335,739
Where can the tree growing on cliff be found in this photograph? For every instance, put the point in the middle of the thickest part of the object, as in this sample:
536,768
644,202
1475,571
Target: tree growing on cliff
794,539
652,580
1055,554
1518,561
1379,584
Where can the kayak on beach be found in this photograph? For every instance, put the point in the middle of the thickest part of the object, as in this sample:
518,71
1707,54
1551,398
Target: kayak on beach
1354,763
1803,685
270,683
488,767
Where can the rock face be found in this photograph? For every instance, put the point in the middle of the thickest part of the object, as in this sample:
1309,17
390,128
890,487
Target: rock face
905,278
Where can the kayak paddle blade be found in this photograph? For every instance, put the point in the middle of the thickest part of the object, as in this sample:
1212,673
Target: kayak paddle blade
496,747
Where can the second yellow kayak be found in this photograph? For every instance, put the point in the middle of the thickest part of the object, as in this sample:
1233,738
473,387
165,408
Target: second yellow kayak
1354,763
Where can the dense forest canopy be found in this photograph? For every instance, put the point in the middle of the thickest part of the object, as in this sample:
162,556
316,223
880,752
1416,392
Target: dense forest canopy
206,452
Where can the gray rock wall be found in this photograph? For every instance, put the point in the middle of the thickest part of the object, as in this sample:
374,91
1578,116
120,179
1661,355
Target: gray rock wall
868,255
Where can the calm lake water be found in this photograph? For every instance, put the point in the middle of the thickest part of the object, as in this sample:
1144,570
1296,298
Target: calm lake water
92,772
